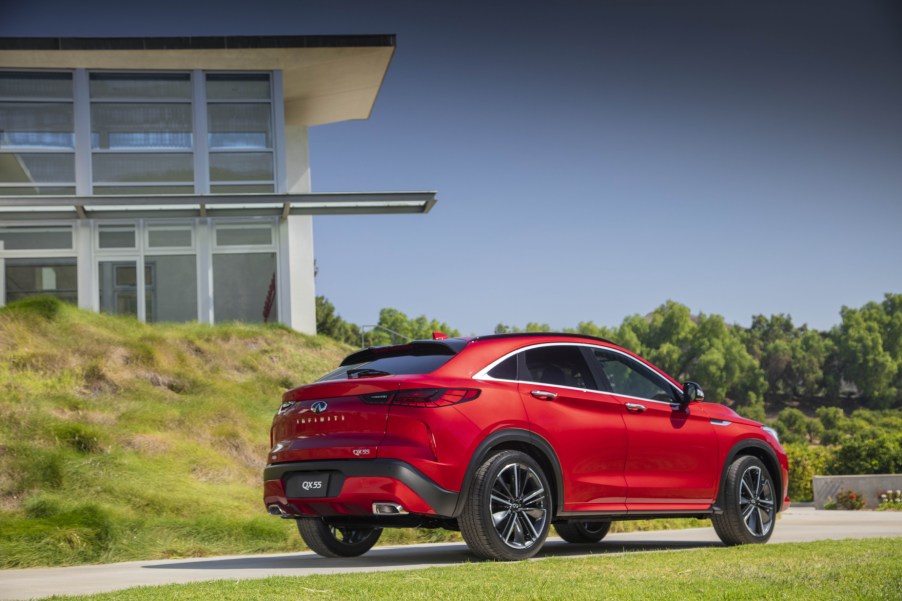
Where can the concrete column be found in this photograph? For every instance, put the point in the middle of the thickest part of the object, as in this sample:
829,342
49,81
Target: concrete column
88,289
2,276
297,300
204,247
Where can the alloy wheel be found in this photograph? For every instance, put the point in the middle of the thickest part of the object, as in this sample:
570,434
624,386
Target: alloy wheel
518,506
756,501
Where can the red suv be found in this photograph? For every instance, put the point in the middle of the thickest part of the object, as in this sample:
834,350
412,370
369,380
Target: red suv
502,436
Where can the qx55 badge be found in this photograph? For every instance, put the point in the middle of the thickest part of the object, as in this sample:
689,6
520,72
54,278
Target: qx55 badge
319,406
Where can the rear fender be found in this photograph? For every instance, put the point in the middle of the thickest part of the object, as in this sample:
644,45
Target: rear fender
518,439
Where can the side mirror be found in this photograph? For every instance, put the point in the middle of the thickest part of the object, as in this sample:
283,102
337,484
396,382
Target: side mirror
692,392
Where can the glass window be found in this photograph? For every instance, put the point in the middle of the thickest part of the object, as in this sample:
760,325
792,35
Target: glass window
142,190
171,287
169,237
140,126
628,377
238,86
35,84
38,168
36,113
118,287
241,166
110,236
36,238
239,118
37,125
141,86
244,235
237,125
37,191
506,370
133,113
143,167
244,287
400,364
243,189
29,277
558,366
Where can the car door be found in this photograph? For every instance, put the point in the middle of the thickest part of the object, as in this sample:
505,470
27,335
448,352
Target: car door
584,427
671,451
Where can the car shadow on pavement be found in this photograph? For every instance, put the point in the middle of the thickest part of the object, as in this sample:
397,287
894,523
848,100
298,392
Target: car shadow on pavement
417,555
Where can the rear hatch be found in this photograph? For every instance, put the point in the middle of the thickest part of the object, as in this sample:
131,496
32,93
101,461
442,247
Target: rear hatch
344,414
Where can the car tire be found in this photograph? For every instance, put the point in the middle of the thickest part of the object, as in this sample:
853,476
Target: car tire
577,532
332,541
749,503
508,509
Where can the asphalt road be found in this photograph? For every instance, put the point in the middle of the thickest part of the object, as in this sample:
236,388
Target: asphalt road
795,525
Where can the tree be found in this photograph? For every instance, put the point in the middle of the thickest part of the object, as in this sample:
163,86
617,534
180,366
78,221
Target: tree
328,323
868,349
718,357
393,323
791,358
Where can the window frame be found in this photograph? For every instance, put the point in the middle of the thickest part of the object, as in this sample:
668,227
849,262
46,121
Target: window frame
83,151
56,253
640,367
272,150
244,224
16,150
482,374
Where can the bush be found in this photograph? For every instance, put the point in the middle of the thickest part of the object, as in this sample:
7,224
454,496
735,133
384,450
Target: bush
47,307
890,500
870,452
805,462
846,500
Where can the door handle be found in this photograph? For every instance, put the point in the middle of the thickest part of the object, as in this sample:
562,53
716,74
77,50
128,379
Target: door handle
544,395
635,407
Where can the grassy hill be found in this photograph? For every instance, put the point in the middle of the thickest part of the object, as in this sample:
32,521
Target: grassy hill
120,440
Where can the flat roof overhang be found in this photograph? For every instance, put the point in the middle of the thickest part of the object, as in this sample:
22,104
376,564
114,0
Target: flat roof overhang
45,208
326,79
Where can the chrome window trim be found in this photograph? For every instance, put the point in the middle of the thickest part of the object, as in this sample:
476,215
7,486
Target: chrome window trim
482,374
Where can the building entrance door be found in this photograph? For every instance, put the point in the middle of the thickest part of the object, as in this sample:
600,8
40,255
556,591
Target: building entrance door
121,284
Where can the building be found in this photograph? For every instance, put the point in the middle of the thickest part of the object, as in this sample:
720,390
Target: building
169,178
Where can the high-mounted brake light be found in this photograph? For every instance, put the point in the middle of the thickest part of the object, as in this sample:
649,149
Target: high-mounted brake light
429,398
439,336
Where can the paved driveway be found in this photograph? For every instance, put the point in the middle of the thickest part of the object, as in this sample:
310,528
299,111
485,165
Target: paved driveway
795,525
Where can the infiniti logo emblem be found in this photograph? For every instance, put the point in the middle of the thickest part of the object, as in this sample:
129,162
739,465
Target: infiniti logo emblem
319,406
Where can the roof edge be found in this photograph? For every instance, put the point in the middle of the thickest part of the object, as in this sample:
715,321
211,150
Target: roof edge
198,42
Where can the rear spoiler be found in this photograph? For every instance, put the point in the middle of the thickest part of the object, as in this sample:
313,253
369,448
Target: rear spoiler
417,348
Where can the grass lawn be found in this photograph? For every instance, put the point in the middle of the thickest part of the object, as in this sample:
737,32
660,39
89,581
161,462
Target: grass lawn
850,569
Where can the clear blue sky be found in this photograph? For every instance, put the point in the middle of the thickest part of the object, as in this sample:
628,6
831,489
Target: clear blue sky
593,159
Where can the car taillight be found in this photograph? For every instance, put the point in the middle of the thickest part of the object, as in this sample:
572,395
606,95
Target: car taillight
423,397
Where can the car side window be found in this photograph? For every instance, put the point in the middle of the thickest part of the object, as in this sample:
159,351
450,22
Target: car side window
628,377
506,370
557,365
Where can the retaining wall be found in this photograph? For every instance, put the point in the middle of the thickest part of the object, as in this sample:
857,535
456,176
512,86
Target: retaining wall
869,487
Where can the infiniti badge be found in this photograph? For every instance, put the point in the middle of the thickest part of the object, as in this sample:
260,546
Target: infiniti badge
319,406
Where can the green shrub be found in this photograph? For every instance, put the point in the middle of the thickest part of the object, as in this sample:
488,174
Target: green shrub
805,462
846,499
872,451
46,307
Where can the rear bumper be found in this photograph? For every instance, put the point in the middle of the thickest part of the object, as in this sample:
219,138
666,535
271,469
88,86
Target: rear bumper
353,486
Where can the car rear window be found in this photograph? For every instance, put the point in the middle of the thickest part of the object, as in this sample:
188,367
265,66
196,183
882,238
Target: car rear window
419,361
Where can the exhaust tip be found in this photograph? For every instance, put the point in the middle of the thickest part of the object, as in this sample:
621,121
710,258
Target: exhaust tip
275,510
388,509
